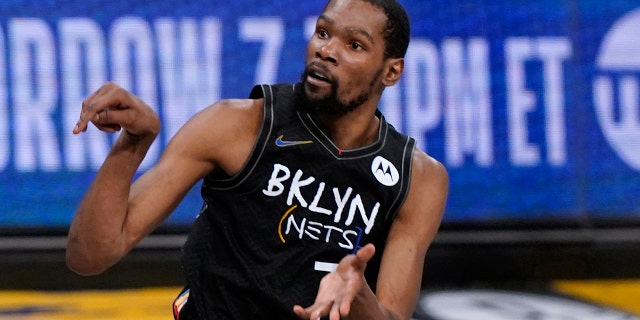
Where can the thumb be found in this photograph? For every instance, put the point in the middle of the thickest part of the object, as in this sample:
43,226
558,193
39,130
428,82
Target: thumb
365,253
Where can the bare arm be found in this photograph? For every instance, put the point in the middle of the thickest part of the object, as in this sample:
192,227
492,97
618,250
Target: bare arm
413,230
94,234
114,214
344,294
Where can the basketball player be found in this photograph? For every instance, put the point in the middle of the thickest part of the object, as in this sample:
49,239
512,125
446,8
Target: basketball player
314,206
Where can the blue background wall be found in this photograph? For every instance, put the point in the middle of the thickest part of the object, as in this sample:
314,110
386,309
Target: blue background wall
533,106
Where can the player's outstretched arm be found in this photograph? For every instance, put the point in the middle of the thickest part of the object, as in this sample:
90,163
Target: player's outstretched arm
344,294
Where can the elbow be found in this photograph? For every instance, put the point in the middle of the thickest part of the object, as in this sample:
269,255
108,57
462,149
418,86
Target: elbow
85,261
84,265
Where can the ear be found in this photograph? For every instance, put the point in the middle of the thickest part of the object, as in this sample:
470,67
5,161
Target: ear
395,66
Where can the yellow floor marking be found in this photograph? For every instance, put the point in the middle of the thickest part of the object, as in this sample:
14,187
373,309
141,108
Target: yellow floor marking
141,304
156,303
620,294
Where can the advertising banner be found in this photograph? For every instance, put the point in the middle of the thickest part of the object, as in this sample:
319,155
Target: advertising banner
533,106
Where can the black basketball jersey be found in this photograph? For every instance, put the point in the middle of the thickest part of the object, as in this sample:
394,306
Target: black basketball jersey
267,235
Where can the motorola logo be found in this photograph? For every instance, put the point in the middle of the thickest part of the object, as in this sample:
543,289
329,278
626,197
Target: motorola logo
385,171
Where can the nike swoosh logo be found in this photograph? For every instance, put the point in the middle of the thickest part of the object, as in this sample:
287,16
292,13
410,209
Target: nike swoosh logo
283,143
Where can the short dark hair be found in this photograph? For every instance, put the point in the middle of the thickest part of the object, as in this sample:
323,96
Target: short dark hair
398,30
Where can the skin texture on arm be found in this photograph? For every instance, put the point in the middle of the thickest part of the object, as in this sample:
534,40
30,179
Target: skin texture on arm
114,214
344,294
411,234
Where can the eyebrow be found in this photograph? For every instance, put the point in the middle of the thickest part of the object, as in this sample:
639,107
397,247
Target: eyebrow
350,29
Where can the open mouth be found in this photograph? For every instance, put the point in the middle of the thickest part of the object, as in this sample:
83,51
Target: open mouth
319,76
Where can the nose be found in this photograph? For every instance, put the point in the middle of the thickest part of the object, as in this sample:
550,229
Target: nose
326,52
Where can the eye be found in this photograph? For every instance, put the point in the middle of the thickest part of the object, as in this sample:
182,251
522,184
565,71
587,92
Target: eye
356,46
322,34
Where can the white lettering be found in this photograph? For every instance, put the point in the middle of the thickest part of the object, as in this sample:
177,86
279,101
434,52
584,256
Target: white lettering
553,52
319,232
269,31
446,90
296,184
276,180
349,244
356,204
275,187
5,151
314,204
341,201
291,222
84,68
329,231
34,79
133,66
313,230
191,67
520,101
467,102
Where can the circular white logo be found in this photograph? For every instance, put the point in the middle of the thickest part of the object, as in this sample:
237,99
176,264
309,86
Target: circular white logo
384,171
616,88
505,305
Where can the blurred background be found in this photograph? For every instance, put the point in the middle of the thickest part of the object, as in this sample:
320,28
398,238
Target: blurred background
533,106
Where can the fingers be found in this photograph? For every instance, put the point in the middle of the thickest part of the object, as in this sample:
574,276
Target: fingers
81,125
101,116
339,289
112,108
96,109
107,120
334,309
345,308
314,311
304,313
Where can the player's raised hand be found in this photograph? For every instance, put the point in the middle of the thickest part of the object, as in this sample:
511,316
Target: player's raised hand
338,289
112,108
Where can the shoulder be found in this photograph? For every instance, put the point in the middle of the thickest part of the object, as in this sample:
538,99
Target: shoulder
429,182
233,108
222,134
224,120
427,196
229,116
427,171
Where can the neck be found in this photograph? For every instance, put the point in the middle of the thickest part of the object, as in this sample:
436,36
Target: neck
350,131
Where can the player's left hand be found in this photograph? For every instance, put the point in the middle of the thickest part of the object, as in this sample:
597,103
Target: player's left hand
338,289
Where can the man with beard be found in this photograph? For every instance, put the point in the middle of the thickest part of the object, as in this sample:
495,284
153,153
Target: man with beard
314,205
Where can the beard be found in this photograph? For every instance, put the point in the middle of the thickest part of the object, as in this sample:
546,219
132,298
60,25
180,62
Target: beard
330,104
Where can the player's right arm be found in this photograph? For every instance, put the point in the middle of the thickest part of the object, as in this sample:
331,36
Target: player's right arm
115,214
